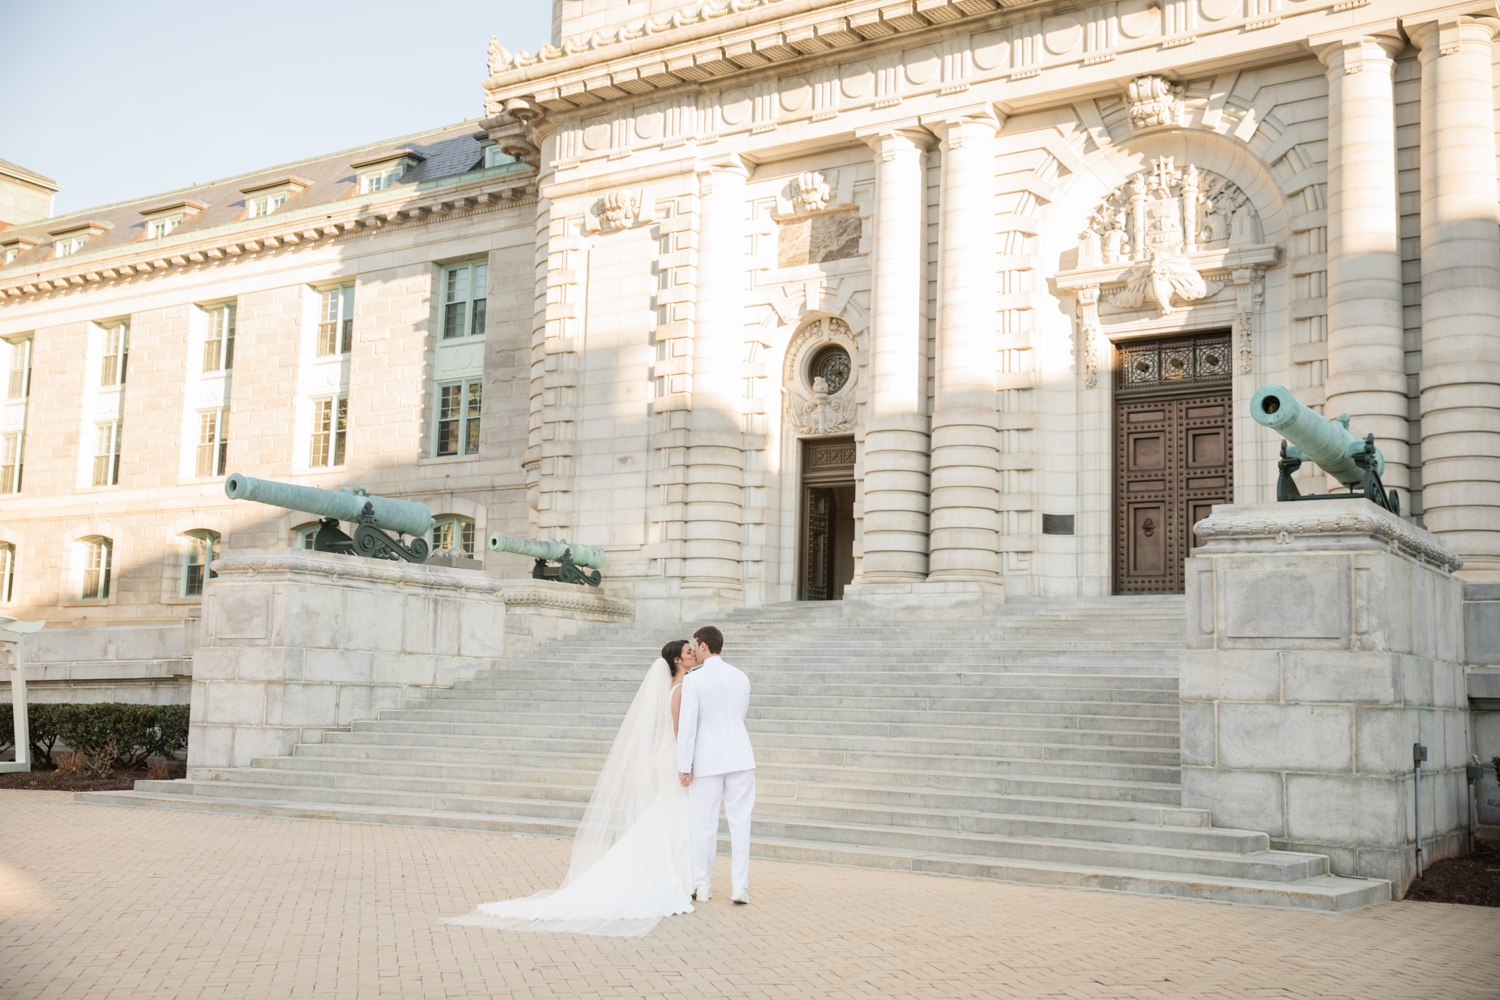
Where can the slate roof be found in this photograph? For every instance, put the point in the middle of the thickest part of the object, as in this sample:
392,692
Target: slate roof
16,170
448,151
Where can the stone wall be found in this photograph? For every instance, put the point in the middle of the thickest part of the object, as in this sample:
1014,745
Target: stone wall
1482,654
1324,640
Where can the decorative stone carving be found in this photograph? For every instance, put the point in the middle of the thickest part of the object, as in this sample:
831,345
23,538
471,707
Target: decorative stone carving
1154,100
824,410
1165,209
1305,525
1165,279
1088,330
620,209
810,192
1249,286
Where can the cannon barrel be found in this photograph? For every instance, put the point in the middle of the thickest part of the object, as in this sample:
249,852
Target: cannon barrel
1325,442
591,556
405,516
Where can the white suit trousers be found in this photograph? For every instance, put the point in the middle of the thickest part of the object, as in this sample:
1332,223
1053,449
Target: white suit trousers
737,790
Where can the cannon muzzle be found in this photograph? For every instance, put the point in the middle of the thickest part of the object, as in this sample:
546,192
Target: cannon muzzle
1314,438
405,516
591,556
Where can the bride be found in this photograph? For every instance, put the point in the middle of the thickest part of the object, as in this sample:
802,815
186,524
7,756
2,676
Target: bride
631,865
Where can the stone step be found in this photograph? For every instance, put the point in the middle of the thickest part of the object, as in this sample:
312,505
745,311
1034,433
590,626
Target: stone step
600,702
1161,723
593,743
379,760
409,721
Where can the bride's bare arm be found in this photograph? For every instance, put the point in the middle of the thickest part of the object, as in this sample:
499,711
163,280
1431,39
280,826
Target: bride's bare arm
676,707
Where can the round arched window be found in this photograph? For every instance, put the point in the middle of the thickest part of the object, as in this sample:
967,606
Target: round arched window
832,365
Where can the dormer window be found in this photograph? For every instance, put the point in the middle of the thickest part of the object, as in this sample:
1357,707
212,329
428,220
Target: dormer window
70,239
162,219
13,248
379,173
157,228
263,199
493,157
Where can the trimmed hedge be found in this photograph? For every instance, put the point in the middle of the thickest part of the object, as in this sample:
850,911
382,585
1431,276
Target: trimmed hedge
139,731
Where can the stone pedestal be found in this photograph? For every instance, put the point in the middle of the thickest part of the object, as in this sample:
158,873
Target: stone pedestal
296,642
1324,639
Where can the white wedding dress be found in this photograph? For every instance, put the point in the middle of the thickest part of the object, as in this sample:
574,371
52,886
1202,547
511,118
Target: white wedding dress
631,864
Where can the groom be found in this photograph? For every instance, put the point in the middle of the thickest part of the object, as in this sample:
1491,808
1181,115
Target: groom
715,761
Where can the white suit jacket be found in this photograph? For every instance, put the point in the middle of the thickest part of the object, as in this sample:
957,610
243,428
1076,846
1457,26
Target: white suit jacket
711,736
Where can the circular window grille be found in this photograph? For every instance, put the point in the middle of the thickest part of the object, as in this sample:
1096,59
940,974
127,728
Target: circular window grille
832,365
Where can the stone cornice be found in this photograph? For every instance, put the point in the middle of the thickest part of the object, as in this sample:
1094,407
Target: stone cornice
323,223
550,595
705,40
1319,524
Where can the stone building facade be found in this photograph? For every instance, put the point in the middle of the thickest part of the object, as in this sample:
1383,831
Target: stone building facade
919,304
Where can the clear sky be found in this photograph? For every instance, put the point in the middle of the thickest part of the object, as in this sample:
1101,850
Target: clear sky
117,100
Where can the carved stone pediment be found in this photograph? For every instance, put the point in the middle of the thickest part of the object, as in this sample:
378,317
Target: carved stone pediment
819,378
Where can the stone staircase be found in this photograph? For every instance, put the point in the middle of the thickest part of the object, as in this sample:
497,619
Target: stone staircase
1037,745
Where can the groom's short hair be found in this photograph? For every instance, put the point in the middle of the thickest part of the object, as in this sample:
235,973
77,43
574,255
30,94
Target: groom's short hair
710,637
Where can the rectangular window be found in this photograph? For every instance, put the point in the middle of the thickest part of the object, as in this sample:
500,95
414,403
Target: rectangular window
464,289
213,443
19,386
116,353
10,462
96,559
218,346
454,534
202,549
336,321
458,418
107,453
157,228
7,572
330,423
264,204
493,157
69,246
380,180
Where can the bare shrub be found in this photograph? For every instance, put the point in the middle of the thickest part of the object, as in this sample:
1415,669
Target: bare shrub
159,770
101,763
70,763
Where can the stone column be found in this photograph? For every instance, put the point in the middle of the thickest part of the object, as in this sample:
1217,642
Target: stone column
1460,290
713,507
1366,337
896,421
965,539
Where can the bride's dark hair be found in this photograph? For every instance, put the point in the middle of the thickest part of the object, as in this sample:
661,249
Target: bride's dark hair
672,652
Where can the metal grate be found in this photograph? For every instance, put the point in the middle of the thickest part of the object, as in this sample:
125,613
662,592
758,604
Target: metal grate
1162,364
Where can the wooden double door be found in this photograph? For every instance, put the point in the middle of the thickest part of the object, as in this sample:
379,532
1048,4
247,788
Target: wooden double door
826,556
1174,455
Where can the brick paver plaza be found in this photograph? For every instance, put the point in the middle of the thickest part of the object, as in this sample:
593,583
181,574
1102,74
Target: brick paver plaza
121,903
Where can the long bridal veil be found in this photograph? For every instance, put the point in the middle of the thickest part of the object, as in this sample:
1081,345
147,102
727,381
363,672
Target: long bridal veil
628,868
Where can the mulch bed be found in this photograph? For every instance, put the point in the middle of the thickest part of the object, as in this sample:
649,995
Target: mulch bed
55,781
1473,880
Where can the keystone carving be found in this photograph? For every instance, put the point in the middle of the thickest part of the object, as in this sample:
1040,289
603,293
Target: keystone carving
810,192
1154,100
619,209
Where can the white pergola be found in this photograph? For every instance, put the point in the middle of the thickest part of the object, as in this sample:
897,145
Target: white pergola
13,632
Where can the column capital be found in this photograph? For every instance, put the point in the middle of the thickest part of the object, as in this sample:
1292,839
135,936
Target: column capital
1446,27
889,138
1352,50
943,122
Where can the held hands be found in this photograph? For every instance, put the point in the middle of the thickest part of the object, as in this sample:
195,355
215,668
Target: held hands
686,779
